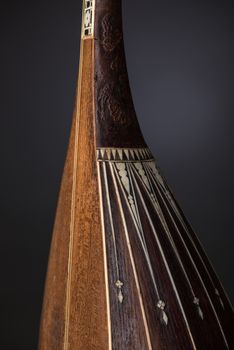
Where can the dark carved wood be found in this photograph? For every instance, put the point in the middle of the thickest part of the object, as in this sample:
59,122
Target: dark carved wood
126,270
117,125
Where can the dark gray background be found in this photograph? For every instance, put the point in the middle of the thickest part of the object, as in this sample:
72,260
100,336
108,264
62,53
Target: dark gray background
180,57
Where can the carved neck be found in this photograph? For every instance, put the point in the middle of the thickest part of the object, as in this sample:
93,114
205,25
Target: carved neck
116,122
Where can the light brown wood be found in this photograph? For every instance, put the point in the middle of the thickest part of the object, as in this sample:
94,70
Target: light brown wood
75,311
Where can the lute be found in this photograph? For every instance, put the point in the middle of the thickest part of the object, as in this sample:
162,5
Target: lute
126,270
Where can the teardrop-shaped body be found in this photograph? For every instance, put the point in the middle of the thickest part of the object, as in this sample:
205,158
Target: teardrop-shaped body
126,271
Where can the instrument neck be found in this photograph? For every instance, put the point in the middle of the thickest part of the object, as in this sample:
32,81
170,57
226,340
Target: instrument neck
116,122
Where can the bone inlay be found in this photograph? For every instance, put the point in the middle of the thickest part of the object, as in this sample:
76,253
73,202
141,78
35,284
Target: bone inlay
129,166
88,18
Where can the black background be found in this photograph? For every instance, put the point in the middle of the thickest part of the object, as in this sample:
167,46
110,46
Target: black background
180,56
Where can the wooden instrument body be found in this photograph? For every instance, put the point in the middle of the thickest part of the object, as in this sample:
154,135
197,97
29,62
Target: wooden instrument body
126,271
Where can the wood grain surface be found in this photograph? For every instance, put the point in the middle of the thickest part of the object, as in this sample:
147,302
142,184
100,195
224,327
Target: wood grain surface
126,271
74,313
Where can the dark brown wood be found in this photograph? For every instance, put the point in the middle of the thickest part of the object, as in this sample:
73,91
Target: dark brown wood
126,270
116,121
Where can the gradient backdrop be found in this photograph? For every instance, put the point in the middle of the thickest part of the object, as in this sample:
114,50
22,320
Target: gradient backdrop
180,56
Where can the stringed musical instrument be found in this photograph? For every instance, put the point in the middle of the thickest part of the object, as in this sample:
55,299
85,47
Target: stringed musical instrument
126,270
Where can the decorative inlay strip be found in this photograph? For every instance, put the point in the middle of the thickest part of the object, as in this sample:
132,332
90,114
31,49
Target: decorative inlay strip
105,261
124,154
88,18
123,175
157,176
159,181
136,173
118,282
143,174
166,266
132,259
